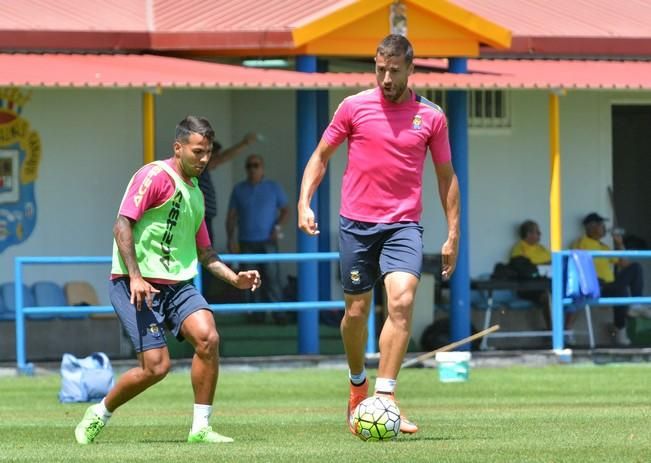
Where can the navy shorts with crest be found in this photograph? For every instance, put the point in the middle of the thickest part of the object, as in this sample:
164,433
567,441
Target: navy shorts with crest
369,251
170,308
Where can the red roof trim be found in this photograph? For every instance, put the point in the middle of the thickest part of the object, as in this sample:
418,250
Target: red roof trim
73,40
575,46
207,41
150,71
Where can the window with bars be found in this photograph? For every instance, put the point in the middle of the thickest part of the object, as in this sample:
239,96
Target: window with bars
486,108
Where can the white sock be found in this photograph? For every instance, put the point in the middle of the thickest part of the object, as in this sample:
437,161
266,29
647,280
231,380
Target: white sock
359,378
201,416
386,385
102,412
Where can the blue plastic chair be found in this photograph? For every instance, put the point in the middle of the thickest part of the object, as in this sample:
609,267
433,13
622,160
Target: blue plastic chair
50,294
9,297
496,299
5,314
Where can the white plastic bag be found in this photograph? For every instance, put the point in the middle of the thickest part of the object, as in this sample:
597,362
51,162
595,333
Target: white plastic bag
85,380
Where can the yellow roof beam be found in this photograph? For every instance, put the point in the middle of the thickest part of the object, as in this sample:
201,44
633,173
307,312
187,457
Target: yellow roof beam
435,27
486,32
314,29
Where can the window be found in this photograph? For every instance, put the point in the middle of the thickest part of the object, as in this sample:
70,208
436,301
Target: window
486,108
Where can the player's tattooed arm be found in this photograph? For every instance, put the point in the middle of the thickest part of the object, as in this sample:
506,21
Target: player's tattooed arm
209,259
249,279
123,233
141,291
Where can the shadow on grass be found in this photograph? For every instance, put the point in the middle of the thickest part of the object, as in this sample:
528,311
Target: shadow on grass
162,441
403,440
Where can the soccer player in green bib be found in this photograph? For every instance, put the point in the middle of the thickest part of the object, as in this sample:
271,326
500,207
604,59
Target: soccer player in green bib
160,236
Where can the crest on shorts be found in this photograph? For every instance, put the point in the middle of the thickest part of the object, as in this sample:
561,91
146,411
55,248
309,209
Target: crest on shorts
355,277
154,330
20,156
417,122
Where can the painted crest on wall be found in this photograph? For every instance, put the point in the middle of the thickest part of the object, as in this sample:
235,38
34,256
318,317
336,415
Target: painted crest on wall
20,156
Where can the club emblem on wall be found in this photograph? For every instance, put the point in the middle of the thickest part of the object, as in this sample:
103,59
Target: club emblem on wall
20,156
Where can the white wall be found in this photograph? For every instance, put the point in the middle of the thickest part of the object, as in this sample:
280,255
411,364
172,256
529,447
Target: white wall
90,140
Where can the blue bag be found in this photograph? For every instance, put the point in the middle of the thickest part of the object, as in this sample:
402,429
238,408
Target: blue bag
85,380
581,281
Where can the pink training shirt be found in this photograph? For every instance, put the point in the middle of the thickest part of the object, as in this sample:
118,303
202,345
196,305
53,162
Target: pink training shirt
387,146
148,191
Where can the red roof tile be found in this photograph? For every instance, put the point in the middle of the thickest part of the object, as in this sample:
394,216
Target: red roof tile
539,26
168,24
570,27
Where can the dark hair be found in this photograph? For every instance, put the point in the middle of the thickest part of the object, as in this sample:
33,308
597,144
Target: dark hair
396,45
593,217
194,124
526,227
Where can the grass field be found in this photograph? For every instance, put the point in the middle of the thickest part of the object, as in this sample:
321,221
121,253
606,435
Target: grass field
581,413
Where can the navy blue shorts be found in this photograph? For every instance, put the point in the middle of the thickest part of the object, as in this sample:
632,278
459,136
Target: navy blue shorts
371,250
170,308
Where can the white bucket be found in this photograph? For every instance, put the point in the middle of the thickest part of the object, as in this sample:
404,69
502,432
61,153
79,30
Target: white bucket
453,367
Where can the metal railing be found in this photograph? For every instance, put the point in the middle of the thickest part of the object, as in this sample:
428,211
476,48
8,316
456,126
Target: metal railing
22,312
559,301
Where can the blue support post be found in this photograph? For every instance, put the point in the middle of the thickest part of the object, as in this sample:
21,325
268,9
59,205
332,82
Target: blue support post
460,282
557,301
306,133
21,358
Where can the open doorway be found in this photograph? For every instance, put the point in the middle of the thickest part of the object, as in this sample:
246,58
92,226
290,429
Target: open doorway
632,168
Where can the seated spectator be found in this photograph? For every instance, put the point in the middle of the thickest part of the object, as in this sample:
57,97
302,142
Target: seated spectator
530,247
617,277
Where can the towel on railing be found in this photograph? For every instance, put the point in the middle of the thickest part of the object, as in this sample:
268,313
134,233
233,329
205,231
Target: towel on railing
581,282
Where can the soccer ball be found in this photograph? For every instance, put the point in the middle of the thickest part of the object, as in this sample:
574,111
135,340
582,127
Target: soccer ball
377,418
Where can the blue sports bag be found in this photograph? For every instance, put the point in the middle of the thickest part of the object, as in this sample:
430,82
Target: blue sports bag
87,379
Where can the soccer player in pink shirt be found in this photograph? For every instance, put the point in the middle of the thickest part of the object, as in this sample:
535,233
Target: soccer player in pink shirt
389,130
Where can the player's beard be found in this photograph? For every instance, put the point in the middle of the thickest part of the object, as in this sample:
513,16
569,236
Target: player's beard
395,92
193,170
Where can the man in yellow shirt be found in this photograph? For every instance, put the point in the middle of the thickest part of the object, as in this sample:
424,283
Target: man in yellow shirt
529,246
617,277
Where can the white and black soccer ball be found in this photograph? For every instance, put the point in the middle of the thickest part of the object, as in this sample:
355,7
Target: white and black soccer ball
377,418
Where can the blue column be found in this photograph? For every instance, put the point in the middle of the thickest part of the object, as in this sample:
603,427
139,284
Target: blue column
460,282
20,317
306,139
557,301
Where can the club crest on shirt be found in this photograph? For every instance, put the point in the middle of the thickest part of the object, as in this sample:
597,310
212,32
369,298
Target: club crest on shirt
355,277
154,330
417,122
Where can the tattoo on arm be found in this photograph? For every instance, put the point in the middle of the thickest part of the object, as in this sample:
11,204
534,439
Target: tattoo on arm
123,233
209,259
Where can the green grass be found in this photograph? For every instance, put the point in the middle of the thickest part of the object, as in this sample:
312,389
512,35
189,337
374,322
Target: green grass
579,413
